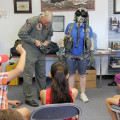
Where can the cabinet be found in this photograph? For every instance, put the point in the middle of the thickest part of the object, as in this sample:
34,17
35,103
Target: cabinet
90,78
114,64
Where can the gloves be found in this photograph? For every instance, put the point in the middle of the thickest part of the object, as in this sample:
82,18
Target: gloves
60,53
42,49
91,57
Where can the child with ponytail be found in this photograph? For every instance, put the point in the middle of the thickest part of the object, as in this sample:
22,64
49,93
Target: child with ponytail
59,92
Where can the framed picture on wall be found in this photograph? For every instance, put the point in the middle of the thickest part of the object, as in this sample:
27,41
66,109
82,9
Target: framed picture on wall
58,24
22,6
116,6
66,5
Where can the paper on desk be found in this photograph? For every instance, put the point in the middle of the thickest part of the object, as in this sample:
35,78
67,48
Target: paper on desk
103,51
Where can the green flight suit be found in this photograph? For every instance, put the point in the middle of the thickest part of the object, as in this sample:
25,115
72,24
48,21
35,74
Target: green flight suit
33,30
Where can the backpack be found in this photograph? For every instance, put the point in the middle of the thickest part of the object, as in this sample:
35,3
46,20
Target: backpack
13,51
52,48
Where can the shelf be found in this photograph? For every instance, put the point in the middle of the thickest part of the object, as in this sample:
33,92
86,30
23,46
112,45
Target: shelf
115,66
114,24
115,50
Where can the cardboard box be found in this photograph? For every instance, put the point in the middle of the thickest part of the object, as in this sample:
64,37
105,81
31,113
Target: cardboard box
90,78
16,80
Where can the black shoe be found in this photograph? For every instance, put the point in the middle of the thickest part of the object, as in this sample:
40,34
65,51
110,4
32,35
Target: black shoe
31,103
112,84
38,95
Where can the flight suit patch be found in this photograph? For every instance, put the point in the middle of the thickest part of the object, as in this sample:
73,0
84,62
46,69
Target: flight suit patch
28,24
46,28
39,26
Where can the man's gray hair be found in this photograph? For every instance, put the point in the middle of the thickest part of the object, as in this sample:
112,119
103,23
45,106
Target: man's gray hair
48,14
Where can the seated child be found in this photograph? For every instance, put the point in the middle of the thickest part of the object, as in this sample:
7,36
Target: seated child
7,77
114,100
59,92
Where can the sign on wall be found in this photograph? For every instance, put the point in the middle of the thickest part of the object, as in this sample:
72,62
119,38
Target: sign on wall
58,23
22,6
116,6
3,15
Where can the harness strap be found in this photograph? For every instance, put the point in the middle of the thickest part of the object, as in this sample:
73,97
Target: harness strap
87,56
78,35
86,37
70,30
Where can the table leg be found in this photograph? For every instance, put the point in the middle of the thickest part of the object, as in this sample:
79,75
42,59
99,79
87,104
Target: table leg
100,71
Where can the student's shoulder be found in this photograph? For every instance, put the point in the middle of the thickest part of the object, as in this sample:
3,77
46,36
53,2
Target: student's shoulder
42,92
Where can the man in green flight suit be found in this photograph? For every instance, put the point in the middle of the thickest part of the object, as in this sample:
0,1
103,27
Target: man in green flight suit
35,33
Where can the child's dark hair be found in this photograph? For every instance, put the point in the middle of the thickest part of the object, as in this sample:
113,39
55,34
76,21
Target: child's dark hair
59,87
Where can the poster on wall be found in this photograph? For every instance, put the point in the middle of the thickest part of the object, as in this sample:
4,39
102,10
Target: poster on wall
66,5
58,24
22,6
3,15
116,6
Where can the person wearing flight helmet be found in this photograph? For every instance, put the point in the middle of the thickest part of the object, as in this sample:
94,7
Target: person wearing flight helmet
78,43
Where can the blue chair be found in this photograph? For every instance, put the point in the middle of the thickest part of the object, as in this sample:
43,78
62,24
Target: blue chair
56,112
116,109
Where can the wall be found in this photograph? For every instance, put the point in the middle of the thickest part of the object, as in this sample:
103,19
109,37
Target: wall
112,35
9,27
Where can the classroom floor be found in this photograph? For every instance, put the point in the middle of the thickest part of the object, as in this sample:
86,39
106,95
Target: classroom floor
93,110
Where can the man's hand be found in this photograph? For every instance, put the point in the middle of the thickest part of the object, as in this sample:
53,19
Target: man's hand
15,103
46,43
91,57
20,49
38,43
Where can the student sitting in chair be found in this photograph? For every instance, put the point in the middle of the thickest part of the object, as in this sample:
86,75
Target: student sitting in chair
7,77
59,91
114,100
